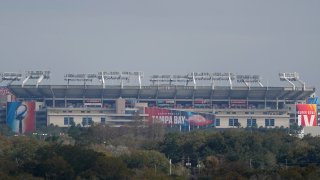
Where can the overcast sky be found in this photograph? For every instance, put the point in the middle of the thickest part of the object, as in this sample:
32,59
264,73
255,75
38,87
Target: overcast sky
162,37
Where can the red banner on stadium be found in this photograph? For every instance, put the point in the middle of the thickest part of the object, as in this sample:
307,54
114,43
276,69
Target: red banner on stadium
307,114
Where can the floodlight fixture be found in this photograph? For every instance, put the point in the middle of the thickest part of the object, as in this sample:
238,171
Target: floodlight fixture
120,76
199,76
169,79
219,76
131,74
247,79
161,78
91,76
10,76
79,77
39,75
290,77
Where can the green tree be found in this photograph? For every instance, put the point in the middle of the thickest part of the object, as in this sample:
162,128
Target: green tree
146,159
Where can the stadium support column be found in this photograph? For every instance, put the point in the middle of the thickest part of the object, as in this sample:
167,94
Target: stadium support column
53,98
103,80
157,92
39,80
277,103
194,81
83,99
193,97
175,97
139,79
212,83
102,97
230,80
120,106
25,80
211,98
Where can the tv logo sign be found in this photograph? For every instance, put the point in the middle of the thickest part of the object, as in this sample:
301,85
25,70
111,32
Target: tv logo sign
307,114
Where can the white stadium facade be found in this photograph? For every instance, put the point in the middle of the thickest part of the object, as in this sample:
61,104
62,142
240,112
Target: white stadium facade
112,98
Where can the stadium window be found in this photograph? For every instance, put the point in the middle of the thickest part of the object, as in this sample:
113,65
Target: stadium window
71,121
269,122
217,122
66,121
233,122
234,113
82,111
251,122
254,122
86,121
103,120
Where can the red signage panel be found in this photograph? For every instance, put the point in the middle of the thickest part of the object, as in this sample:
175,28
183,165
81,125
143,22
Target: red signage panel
307,114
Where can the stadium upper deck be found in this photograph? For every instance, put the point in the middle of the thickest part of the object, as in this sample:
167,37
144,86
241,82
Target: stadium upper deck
159,92
163,87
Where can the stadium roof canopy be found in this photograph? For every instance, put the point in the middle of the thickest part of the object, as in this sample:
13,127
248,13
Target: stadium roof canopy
159,92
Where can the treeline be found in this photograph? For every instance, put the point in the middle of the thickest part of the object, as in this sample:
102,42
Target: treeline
245,153
140,152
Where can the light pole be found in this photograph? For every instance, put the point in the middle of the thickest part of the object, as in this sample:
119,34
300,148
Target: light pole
170,167
188,164
199,166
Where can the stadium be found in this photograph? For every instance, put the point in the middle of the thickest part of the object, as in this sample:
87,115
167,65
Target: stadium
191,101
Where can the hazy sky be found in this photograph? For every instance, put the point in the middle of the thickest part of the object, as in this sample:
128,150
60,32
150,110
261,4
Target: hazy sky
161,37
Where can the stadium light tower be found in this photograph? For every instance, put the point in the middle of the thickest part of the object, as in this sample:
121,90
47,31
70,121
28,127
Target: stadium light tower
103,76
10,76
38,75
290,77
222,77
247,79
79,77
120,76
130,75
170,79
202,76
161,78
